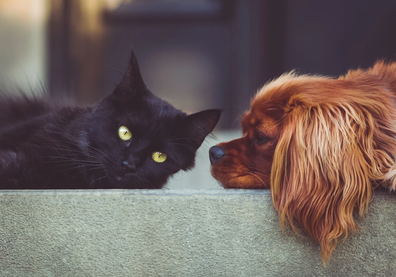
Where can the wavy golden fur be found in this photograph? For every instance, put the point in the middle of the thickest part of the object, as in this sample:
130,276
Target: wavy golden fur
321,145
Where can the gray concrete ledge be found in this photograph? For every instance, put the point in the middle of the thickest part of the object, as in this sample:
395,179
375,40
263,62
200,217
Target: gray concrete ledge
177,233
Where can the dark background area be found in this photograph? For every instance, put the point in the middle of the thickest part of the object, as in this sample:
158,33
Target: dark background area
196,54
200,54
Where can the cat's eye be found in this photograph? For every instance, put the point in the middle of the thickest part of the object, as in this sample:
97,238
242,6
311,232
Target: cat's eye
159,157
124,133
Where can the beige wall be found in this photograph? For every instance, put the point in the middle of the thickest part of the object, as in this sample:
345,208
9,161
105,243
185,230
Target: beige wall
23,43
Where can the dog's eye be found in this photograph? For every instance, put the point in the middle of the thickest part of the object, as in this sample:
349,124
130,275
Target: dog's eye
260,139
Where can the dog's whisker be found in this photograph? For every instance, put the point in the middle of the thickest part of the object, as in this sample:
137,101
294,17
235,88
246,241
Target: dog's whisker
256,175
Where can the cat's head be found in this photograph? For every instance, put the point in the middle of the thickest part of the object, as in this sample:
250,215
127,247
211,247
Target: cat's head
141,140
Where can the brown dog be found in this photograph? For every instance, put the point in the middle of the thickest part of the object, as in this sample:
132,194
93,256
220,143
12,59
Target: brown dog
321,145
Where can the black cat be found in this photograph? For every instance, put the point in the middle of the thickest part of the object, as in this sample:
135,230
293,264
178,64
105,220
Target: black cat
131,139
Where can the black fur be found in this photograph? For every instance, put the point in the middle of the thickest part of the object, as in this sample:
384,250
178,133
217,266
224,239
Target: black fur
47,147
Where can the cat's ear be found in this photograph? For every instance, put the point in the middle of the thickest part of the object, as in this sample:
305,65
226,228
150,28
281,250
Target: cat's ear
198,125
132,83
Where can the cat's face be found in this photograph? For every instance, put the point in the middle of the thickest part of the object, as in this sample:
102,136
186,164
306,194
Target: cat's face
141,140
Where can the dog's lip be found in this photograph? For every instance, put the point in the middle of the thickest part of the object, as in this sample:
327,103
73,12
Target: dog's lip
234,181
220,169
235,184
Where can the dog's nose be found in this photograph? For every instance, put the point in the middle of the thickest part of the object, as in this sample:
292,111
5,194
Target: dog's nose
215,153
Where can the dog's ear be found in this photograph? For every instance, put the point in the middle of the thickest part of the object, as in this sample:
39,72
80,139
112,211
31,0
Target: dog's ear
325,163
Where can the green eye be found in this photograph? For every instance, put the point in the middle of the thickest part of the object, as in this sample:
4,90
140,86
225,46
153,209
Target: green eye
159,157
124,133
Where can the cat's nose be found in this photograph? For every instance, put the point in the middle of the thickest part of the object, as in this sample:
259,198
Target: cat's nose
128,166
215,154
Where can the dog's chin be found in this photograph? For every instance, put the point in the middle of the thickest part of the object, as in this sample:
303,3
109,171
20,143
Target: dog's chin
239,180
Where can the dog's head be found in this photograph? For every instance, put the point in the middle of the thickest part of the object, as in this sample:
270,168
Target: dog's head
321,145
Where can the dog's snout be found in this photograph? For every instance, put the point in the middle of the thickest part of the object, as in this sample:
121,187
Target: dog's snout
215,153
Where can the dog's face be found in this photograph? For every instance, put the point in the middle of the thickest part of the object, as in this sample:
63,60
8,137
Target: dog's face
246,162
320,144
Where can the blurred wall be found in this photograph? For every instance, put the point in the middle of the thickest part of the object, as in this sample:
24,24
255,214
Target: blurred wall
330,37
196,54
23,50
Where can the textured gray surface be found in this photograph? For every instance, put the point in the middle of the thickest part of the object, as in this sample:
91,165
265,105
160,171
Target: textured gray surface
177,233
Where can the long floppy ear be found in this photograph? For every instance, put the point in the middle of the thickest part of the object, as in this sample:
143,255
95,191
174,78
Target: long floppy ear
325,165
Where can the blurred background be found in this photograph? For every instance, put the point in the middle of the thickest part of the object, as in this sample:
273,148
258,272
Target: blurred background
195,54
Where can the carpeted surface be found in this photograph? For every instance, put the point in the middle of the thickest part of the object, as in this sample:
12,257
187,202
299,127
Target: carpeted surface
177,233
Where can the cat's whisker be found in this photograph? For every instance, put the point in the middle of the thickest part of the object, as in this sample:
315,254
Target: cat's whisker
173,153
77,145
75,164
92,153
183,144
61,170
99,179
59,159
148,182
183,139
